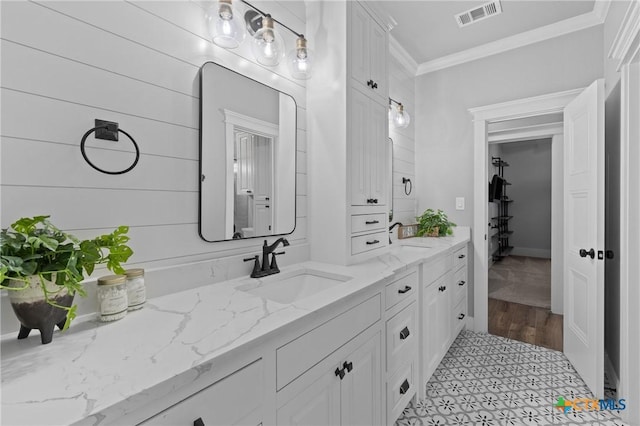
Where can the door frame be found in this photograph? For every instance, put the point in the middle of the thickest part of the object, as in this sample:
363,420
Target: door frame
482,116
625,50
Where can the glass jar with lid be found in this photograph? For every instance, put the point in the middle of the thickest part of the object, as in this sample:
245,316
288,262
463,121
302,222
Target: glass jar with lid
112,297
136,290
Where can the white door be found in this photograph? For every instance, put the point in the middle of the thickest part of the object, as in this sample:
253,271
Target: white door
584,235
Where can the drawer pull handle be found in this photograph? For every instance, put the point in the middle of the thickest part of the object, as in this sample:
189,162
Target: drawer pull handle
340,373
372,242
371,222
462,256
348,366
461,316
442,288
404,387
198,422
405,289
461,283
404,333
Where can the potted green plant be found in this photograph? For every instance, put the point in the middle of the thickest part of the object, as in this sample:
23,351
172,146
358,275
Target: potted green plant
42,268
434,223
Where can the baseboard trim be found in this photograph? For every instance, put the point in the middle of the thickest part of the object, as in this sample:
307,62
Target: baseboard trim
531,252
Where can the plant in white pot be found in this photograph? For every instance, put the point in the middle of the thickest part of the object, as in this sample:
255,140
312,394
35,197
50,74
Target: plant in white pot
42,268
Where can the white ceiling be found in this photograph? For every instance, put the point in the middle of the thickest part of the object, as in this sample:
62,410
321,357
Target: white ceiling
428,32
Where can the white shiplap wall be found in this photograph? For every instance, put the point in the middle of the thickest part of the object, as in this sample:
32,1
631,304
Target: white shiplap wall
65,64
402,89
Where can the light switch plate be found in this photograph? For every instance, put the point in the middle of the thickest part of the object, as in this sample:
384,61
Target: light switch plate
459,203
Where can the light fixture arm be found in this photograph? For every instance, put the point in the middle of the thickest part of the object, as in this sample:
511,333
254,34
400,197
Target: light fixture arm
274,19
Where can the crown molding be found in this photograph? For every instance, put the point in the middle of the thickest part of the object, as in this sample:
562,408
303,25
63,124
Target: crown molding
627,42
402,56
557,29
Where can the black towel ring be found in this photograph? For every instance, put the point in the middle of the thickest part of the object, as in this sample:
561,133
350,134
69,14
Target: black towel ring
119,172
405,181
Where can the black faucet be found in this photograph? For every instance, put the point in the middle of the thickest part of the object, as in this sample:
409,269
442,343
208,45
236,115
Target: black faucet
267,268
391,228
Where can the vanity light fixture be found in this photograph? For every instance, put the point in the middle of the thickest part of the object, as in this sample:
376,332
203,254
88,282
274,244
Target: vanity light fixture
225,25
397,115
267,44
268,47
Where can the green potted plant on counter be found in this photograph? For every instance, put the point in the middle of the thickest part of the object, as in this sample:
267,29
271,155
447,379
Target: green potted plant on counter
42,268
434,223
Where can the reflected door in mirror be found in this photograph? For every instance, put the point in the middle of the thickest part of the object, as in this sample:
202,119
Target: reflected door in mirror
247,157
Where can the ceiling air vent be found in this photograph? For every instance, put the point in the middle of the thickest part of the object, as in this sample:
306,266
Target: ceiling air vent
476,14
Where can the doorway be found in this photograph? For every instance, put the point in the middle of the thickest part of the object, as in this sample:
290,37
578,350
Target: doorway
519,231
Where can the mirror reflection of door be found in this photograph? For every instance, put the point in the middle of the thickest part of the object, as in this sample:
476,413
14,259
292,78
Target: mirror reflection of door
253,182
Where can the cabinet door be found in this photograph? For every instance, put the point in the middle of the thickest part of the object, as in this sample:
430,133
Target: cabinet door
444,312
361,387
431,330
318,404
359,126
359,44
377,153
378,47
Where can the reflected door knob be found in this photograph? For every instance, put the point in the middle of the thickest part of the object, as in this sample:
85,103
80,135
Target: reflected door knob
584,253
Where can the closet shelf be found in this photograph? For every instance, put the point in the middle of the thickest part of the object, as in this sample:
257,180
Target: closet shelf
502,218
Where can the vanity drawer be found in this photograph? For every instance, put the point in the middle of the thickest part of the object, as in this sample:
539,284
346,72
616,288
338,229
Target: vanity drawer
236,399
434,269
367,222
459,284
460,257
401,289
459,317
400,389
300,354
367,242
402,334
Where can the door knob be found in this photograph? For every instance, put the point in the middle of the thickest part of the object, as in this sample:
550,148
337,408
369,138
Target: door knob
591,253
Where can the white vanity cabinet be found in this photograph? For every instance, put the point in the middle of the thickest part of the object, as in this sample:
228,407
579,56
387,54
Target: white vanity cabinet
459,294
368,58
332,374
235,400
444,307
349,134
402,337
368,150
344,389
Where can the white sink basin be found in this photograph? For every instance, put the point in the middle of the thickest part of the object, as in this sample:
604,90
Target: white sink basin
292,286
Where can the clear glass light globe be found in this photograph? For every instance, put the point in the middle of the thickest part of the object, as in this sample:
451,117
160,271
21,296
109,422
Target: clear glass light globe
225,25
268,45
300,60
402,119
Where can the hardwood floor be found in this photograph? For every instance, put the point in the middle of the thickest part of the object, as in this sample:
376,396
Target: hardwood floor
528,324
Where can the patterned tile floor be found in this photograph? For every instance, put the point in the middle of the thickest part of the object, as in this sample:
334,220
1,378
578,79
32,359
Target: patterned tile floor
487,380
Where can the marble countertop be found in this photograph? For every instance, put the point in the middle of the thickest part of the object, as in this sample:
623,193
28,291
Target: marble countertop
98,372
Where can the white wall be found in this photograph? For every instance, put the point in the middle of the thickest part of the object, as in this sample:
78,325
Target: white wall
529,173
65,64
444,130
402,89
